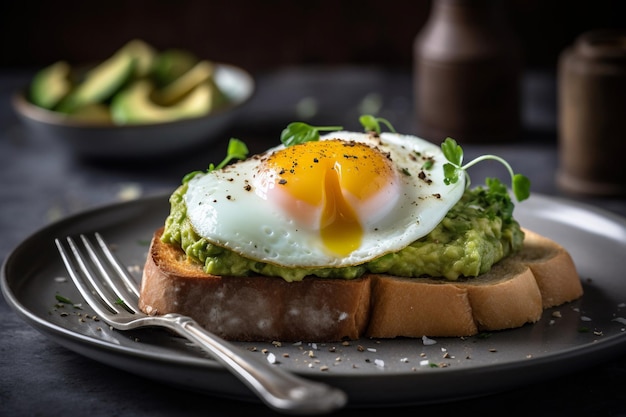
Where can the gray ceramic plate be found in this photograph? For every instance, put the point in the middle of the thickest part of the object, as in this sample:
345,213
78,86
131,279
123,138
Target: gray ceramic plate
589,330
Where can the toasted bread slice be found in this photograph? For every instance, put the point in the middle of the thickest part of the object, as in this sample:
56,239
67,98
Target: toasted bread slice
505,297
258,308
253,308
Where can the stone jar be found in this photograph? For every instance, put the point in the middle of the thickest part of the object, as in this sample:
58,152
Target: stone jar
592,114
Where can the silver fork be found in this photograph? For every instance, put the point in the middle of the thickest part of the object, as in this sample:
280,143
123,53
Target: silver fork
115,300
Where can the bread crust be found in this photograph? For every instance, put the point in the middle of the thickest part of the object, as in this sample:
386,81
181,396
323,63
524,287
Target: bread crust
258,308
553,268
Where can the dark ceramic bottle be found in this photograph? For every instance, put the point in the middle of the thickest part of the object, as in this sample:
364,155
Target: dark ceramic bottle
467,66
592,114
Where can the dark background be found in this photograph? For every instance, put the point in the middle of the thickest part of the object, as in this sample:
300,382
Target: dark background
263,35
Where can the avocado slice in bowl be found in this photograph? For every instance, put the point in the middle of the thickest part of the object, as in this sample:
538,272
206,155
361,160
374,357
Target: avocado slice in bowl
100,83
134,105
144,54
200,73
105,79
171,64
50,85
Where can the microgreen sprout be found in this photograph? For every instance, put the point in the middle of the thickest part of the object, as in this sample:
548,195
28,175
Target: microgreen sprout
64,300
299,132
236,150
121,303
372,123
453,152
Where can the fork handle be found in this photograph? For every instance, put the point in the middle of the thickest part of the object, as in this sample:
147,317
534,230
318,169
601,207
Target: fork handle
281,390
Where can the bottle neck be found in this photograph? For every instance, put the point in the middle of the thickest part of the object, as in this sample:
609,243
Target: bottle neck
467,29
486,12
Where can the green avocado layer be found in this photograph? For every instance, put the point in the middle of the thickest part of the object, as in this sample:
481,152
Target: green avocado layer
476,233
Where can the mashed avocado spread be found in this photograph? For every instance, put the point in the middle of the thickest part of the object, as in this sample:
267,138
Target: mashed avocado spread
476,233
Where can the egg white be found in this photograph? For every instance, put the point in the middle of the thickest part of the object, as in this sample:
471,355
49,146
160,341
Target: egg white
226,208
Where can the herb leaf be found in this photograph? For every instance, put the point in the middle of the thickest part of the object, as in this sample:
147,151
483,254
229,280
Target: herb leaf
299,132
451,173
63,299
521,187
372,123
452,151
121,303
520,184
236,150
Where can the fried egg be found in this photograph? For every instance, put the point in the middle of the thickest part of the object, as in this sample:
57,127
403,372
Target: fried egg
343,200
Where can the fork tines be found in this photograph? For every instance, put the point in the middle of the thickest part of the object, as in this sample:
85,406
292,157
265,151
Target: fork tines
100,277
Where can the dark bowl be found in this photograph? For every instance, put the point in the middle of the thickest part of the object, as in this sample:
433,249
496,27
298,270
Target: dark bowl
106,140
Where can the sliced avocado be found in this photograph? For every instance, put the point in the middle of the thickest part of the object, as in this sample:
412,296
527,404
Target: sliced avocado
219,97
101,82
50,85
179,88
143,53
133,105
171,64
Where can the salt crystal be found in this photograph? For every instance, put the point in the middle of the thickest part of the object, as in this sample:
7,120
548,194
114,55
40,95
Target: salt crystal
427,342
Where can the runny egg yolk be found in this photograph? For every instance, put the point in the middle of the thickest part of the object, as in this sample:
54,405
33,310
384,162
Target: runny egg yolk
332,186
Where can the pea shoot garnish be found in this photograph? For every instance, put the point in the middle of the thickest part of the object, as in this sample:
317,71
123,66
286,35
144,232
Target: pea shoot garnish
452,169
236,150
121,303
64,300
299,132
372,123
